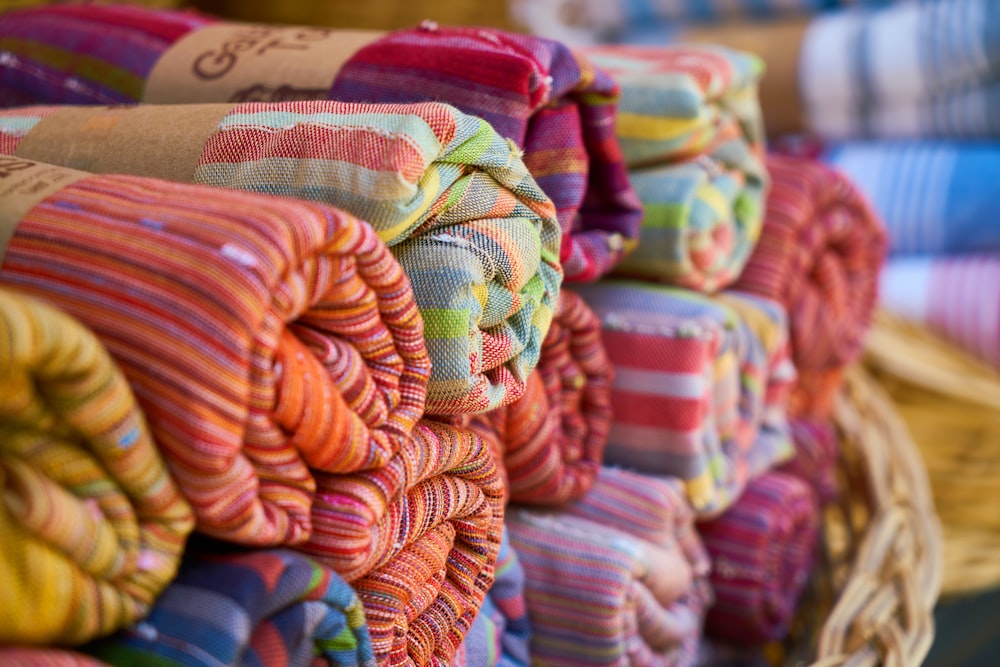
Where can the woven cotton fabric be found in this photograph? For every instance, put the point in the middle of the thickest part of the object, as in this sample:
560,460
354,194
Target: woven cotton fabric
597,595
815,460
762,553
93,526
932,196
262,336
46,657
550,101
550,442
699,386
819,255
690,126
418,539
956,297
477,238
273,608
98,54
912,70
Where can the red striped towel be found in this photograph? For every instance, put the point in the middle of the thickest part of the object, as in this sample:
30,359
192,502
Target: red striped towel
418,539
92,525
549,100
762,553
262,336
819,255
550,442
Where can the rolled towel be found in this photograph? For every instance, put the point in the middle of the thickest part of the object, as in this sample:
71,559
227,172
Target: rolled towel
599,596
262,336
418,539
274,608
501,635
932,196
475,235
819,255
691,131
698,387
550,101
815,460
762,552
550,442
93,525
956,297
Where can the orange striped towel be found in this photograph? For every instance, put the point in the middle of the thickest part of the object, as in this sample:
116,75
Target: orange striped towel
92,525
263,336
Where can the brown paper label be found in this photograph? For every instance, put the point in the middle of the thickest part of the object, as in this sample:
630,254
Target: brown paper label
244,62
778,44
23,184
156,141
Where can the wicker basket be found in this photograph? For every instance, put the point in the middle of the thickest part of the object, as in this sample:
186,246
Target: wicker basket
951,403
872,598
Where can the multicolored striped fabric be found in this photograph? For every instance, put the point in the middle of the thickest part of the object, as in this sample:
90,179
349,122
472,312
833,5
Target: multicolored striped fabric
45,657
98,54
699,385
599,596
476,236
691,130
262,336
762,552
273,608
501,635
956,297
418,539
536,92
550,442
932,196
916,69
815,460
819,255
93,526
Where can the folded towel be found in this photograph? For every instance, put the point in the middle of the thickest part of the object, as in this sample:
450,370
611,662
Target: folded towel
934,197
691,131
550,442
273,608
956,297
45,657
699,385
501,635
93,526
418,539
599,596
262,336
547,99
477,238
819,255
762,551
815,460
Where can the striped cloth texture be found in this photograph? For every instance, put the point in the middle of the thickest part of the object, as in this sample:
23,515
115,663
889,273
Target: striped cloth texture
699,386
913,70
262,336
45,657
475,235
932,196
550,442
597,595
550,101
762,553
819,255
97,54
956,297
272,608
815,460
501,635
418,539
93,525
691,130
